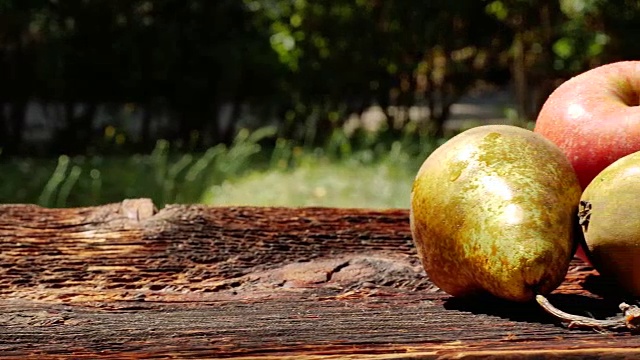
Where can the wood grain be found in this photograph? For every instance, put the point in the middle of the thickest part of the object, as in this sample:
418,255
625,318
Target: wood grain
129,281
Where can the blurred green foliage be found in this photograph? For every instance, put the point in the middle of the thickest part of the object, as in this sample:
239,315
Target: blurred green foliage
307,64
360,170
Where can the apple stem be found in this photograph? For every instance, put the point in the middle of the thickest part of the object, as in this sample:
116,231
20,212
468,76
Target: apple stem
584,214
630,319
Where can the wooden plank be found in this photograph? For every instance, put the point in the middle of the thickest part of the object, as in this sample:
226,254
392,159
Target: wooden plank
128,281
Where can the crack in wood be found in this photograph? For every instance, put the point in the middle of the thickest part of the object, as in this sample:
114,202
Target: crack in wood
133,246
336,269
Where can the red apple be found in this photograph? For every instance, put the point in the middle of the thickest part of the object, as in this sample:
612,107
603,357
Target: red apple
594,118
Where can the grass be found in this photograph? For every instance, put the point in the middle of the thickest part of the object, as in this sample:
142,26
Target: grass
319,182
363,171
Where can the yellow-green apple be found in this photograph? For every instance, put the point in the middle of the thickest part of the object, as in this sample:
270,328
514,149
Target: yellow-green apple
594,118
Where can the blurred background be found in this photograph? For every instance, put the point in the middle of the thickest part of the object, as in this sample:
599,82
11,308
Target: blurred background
273,102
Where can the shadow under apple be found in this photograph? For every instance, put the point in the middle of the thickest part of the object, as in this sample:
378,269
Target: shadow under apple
531,312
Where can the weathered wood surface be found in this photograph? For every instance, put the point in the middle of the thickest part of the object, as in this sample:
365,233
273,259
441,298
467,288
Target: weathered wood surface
127,281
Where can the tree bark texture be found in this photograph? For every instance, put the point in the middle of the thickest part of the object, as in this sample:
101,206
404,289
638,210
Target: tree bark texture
128,281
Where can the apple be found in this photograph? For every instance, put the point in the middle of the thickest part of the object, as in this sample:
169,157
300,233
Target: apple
594,118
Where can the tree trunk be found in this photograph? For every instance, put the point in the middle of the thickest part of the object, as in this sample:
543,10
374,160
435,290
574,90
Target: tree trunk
17,118
145,127
4,127
520,75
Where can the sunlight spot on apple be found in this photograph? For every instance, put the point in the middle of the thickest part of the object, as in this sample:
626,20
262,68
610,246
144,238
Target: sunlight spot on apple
632,172
466,153
513,214
576,111
497,186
